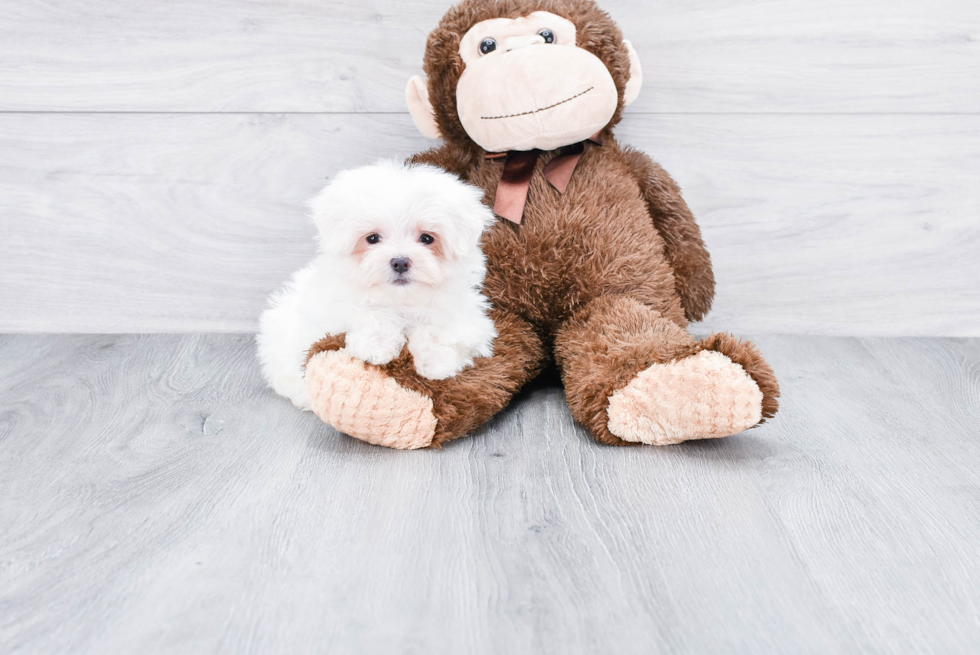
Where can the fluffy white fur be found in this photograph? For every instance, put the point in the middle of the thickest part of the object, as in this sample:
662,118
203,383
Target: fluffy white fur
354,287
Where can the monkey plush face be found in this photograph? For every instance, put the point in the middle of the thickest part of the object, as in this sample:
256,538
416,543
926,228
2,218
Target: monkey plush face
526,81
527,85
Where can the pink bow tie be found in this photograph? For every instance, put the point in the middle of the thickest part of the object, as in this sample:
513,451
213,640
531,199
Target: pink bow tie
519,168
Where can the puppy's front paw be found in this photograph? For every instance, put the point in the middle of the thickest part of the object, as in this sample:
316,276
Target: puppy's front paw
436,361
374,348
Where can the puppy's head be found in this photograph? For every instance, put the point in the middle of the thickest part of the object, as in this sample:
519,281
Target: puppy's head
400,226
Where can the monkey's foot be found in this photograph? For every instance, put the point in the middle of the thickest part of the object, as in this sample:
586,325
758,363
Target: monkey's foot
362,401
703,396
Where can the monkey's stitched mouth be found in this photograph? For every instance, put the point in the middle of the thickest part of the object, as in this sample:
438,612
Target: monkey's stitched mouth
527,113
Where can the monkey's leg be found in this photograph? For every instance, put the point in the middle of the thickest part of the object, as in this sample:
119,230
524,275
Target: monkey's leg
632,375
393,406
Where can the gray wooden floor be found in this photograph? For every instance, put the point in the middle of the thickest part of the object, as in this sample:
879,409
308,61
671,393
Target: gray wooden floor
154,497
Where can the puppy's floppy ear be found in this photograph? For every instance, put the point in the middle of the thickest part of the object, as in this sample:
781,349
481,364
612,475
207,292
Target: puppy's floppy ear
470,218
327,209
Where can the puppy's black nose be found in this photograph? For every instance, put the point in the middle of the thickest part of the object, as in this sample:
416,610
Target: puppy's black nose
401,264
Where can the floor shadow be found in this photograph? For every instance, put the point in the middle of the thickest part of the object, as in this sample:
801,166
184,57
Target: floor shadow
736,448
549,378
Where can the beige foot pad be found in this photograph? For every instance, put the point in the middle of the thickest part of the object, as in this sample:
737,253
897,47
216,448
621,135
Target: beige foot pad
699,397
367,404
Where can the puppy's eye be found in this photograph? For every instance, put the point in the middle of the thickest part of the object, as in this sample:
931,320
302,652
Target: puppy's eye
427,239
547,35
373,238
487,46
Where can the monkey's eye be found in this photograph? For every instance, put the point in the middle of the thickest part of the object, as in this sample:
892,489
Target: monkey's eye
373,238
488,46
547,35
427,239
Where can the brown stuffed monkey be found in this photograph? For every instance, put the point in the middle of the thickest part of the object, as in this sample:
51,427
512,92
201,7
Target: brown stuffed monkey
595,262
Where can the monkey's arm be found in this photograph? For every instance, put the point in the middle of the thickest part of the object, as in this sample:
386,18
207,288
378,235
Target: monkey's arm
688,257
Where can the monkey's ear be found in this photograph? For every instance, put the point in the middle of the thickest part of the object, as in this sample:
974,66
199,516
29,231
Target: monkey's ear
636,76
417,97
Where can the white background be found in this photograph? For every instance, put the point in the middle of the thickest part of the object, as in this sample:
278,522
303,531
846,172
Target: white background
155,157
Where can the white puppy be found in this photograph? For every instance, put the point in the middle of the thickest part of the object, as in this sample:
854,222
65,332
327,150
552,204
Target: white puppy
399,261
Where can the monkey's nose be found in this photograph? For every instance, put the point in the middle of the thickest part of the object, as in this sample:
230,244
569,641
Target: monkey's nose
401,264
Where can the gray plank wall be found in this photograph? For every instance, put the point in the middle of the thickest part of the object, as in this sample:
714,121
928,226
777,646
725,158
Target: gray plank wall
154,157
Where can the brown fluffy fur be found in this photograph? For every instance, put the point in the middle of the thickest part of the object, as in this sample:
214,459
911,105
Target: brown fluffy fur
682,237
606,275
602,348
